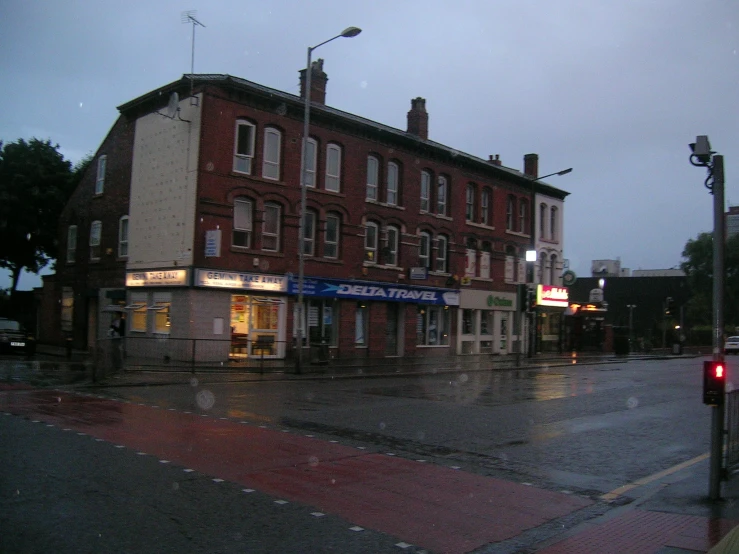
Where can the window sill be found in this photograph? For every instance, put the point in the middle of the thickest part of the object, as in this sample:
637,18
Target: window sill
517,234
433,346
480,226
385,267
385,204
336,261
324,191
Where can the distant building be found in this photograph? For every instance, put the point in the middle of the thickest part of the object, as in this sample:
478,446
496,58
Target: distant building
608,268
658,273
732,221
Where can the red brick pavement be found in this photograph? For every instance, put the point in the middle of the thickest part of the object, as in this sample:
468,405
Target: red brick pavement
434,507
643,532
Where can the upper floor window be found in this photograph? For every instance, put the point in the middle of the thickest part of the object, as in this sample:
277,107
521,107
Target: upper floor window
243,146
424,250
331,238
392,184
71,243
543,221
391,248
485,218
309,233
441,195
469,213
123,237
370,242
96,229
271,227
100,180
242,227
425,191
333,167
373,174
553,223
311,148
510,209
522,211
271,161
442,248
553,270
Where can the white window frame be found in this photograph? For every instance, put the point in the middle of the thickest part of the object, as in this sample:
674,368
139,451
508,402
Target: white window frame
442,250
309,233
100,178
442,194
373,177
485,207
243,159
243,222
393,178
271,159
371,235
469,212
123,237
392,240
331,243
333,180
425,191
310,163
96,232
71,243
424,250
271,227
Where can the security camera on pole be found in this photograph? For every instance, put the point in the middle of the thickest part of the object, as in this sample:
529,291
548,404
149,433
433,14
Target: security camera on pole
703,156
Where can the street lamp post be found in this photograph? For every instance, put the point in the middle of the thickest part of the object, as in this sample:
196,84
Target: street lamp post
349,32
531,255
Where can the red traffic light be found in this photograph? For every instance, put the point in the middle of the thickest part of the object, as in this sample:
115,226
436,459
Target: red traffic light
714,382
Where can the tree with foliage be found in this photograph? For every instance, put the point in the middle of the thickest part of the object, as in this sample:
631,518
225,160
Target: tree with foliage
35,184
698,266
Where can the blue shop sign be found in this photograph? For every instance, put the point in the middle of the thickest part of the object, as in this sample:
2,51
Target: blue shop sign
367,290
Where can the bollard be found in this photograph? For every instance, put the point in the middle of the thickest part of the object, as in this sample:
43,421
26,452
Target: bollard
68,346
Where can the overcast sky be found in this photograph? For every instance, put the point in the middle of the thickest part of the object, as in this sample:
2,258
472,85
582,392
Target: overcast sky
614,89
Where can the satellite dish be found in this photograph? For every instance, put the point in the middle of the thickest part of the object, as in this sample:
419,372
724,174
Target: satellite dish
174,105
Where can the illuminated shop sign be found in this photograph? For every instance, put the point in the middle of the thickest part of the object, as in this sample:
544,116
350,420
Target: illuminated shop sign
331,288
166,278
548,295
243,281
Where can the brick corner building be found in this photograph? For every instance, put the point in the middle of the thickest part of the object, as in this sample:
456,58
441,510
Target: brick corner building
188,219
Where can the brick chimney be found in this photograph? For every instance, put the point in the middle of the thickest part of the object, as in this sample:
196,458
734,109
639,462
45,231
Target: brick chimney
318,80
531,165
495,160
418,118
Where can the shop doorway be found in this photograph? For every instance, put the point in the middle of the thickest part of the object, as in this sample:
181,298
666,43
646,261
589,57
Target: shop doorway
257,327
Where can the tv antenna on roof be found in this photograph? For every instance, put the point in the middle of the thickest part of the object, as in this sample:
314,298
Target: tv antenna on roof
189,17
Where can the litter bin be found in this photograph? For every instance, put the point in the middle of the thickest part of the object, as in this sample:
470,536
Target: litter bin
677,349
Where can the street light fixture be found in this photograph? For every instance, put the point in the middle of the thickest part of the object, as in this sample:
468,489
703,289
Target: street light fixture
531,255
349,32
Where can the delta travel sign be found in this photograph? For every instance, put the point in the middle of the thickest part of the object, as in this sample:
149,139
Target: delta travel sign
549,295
358,290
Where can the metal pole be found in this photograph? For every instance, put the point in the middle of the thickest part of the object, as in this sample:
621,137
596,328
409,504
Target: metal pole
717,412
301,229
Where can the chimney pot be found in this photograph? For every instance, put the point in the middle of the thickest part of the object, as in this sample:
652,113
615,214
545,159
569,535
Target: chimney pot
418,118
531,165
317,84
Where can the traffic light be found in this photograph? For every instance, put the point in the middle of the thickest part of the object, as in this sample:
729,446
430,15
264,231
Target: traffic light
714,382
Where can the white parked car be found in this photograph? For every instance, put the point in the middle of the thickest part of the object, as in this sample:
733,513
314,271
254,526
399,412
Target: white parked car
731,346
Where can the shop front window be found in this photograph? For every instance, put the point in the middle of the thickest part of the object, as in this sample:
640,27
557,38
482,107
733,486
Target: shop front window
360,325
486,322
138,312
432,327
162,321
468,322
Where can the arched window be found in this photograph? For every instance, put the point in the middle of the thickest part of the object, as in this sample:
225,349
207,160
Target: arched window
333,168
311,148
510,211
543,212
96,231
553,223
370,242
424,250
271,227
243,146
123,237
442,250
309,233
553,279
392,241
393,184
331,238
442,190
425,191
543,275
469,212
242,224
485,203
271,160
373,177
523,208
